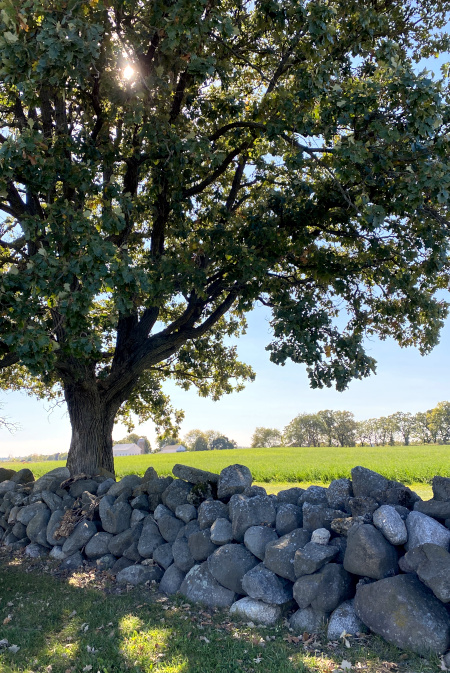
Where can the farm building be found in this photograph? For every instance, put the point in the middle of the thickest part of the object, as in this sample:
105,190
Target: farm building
173,448
126,450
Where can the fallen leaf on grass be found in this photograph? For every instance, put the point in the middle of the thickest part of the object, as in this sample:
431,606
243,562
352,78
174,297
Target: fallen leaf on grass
257,660
7,619
345,665
204,638
87,668
292,639
91,650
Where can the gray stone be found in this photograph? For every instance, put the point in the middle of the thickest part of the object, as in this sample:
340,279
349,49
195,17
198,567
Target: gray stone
369,554
172,580
155,488
190,527
365,482
253,490
194,475
245,513
307,620
233,479
78,487
140,503
34,550
6,474
98,545
13,514
390,523
115,517
257,538
200,586
52,526
341,545
405,613
137,515
130,481
51,480
57,553
434,571
363,506
80,536
290,495
118,544
29,511
228,565
106,562
221,532
279,556
19,530
186,512
132,552
345,620
52,500
441,488
256,611
163,555
72,562
321,536
422,528
319,516
399,495
338,493
150,539
324,590
200,545
23,476
182,556
289,517
139,574
438,509
209,511
262,584
312,557
176,494
169,527
10,538
160,511
37,528
120,564
315,495
104,487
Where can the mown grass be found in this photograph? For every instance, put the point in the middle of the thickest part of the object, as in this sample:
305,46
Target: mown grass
80,625
408,464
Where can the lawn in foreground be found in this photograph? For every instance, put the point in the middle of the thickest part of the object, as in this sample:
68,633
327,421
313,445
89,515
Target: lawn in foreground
407,464
79,625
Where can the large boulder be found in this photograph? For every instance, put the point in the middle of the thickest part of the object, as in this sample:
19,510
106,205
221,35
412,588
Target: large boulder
200,586
150,539
290,495
119,543
163,555
209,511
369,554
315,495
194,475
338,493
139,574
98,545
279,556
257,538
172,580
262,584
307,619
345,620
233,479
257,511
405,613
176,494
438,509
125,485
182,556
422,528
200,545
312,557
52,526
324,590
365,482
256,611
221,532
52,480
169,527
319,516
441,488
23,476
229,564
37,527
29,511
79,537
390,523
434,571
289,517
115,516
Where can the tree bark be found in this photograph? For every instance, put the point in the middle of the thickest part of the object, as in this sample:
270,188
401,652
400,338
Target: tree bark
92,421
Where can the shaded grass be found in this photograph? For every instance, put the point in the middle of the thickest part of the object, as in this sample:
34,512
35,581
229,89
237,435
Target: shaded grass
76,626
408,464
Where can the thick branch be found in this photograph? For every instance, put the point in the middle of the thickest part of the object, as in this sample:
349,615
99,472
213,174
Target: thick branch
192,191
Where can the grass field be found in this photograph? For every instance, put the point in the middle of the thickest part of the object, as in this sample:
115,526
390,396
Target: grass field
408,464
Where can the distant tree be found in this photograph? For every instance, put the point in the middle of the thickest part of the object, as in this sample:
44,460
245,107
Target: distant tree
304,430
190,438
266,437
422,427
200,444
211,435
133,438
344,430
168,441
364,432
404,424
221,443
328,418
439,422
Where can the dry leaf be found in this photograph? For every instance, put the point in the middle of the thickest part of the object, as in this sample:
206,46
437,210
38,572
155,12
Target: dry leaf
7,619
345,665
87,668
204,639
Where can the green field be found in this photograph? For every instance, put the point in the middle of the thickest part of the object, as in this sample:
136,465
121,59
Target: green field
410,465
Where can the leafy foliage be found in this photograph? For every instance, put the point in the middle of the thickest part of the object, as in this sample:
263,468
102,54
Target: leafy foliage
277,152
266,437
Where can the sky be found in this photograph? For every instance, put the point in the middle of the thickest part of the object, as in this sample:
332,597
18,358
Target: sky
405,381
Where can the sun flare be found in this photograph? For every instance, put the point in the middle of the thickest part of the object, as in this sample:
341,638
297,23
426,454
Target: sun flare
128,72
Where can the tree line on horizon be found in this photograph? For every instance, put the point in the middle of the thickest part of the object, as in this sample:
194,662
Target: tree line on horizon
340,428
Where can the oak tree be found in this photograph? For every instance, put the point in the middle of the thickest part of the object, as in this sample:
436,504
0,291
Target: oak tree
166,165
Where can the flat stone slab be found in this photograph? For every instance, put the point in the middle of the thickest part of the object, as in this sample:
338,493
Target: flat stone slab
256,611
194,475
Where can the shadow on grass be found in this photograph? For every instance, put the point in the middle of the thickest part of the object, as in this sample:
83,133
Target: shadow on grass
62,627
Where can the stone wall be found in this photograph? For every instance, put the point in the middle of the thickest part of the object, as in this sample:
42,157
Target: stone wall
363,554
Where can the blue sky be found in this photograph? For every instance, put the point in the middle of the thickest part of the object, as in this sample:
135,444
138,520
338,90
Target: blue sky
405,381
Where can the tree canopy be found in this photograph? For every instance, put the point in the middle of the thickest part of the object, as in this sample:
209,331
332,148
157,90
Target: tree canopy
164,166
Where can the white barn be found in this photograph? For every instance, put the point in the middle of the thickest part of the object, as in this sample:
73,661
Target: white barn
173,448
126,450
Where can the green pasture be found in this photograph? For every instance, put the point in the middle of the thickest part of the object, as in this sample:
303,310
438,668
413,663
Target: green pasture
408,464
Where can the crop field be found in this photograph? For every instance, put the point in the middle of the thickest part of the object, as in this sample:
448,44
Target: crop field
408,464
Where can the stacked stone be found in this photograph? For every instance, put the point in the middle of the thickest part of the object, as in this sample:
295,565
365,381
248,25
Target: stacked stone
362,554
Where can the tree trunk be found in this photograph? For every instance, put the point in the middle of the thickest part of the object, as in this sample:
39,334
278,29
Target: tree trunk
92,424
